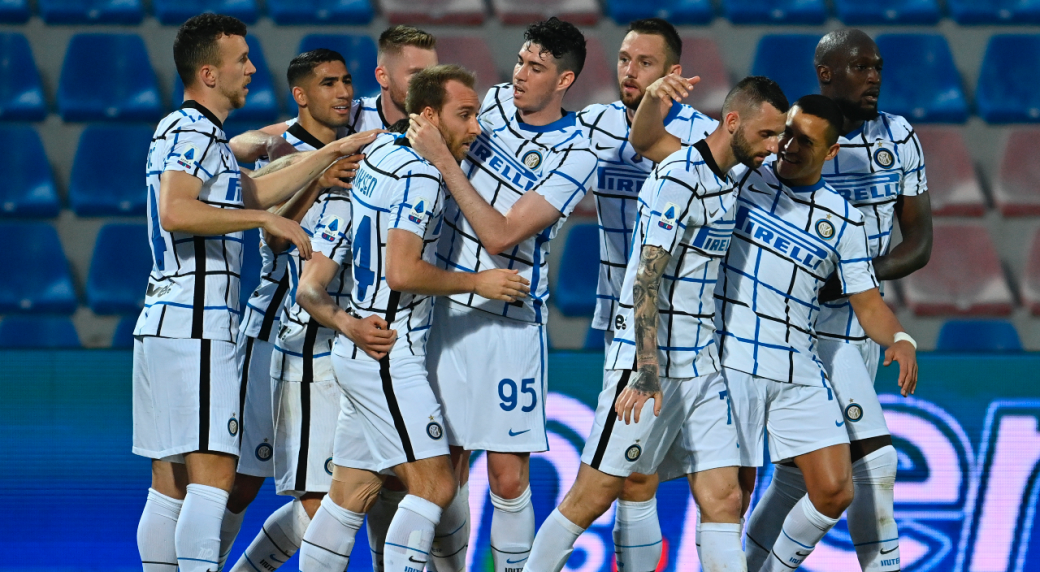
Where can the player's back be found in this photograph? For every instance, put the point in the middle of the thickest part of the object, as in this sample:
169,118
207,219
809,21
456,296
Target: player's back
367,113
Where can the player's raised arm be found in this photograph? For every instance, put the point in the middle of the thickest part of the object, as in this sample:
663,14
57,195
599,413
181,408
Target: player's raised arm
648,135
250,146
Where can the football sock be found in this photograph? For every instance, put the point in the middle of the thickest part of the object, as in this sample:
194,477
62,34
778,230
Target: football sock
637,536
451,537
229,528
155,532
554,544
379,517
720,549
329,539
872,523
803,528
410,536
198,528
278,540
512,531
767,518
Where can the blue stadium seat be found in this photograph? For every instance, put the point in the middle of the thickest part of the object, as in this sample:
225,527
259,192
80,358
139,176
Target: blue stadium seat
1017,12
920,80
775,11
1006,92
119,269
788,60
978,336
175,12
27,186
123,338
91,11
354,12
880,12
106,173
43,282
360,53
14,11
679,12
38,332
21,93
594,340
252,264
261,104
91,90
575,293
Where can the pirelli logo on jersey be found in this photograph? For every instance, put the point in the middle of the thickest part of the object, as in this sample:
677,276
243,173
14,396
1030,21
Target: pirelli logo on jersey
775,235
621,180
485,153
866,188
714,240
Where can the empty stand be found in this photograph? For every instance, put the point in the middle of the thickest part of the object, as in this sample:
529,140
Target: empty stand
964,275
353,12
920,80
577,12
788,60
21,93
91,11
700,56
1017,188
359,52
1006,90
176,12
969,12
108,170
775,11
575,293
108,77
38,332
27,186
472,53
261,104
39,280
598,80
14,11
123,338
459,12
953,187
978,336
880,12
594,340
119,269
678,12
1031,276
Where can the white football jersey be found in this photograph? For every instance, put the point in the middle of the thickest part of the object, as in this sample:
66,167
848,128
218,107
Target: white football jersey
877,163
193,288
620,176
367,113
786,243
686,208
508,159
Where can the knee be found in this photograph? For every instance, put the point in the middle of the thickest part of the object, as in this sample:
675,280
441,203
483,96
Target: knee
724,503
243,492
443,492
639,488
507,480
833,496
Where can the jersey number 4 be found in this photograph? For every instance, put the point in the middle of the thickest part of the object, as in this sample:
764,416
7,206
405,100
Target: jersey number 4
364,277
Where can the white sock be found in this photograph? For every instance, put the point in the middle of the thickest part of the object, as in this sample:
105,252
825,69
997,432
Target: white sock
512,531
637,536
229,528
198,528
803,528
379,518
720,548
554,544
410,536
451,537
155,532
278,540
872,523
783,493
329,539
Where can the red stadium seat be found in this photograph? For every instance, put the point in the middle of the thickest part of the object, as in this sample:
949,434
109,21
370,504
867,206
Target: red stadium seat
953,186
700,56
964,276
459,12
1017,189
598,80
1031,276
519,12
472,53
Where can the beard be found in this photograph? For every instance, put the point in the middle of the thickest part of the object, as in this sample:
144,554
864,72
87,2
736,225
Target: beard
632,102
855,111
742,150
237,97
330,119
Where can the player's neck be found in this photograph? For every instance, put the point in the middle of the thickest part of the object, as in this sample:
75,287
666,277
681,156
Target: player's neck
544,116
319,130
388,109
720,143
212,100
851,125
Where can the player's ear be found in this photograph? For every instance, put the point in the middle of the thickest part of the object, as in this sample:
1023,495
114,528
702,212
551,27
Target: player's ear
823,74
565,80
732,121
382,76
207,75
832,152
674,68
430,114
299,96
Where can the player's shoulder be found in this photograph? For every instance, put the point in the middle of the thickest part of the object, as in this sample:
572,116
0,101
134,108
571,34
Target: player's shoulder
190,122
896,128
688,114
828,198
397,159
595,112
498,94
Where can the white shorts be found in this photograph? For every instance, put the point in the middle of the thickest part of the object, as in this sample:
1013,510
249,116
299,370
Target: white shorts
799,419
391,402
694,432
851,368
489,373
257,409
186,397
305,428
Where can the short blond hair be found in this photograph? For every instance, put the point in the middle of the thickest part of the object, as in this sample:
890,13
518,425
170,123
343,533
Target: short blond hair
394,38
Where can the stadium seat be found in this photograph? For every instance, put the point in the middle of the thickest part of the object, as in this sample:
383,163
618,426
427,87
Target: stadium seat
1005,92
27,186
14,11
107,170
920,80
575,293
43,283
519,12
358,50
700,56
21,93
881,12
1017,188
353,12
1017,12
978,336
176,12
119,269
38,332
775,11
91,11
678,12
123,338
252,264
261,103
457,12
473,53
953,187
1031,276
129,91
594,340
598,80
964,275
788,59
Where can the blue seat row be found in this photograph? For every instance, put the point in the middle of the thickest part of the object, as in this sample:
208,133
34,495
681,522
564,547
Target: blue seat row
175,12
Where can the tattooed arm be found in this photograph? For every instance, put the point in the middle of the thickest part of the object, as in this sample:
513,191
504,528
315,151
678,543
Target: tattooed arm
645,383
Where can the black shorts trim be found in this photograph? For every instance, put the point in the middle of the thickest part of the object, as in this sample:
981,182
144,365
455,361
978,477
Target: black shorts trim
608,425
205,365
388,385
309,337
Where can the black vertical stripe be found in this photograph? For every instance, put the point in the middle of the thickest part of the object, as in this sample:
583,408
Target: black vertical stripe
242,388
388,385
274,307
198,305
309,336
608,425
205,365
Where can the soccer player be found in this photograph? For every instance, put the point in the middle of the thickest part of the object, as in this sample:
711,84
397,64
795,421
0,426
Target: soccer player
186,375
397,202
651,49
880,170
521,179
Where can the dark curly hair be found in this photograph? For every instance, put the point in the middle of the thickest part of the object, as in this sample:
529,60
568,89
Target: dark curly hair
196,43
561,39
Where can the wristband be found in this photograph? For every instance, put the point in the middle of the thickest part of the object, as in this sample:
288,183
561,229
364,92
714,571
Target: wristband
905,337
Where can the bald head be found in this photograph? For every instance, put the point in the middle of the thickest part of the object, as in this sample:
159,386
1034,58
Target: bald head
841,45
848,67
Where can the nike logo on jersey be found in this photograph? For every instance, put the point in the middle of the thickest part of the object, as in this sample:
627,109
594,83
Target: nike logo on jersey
512,434
603,147
508,561
839,424
712,213
890,550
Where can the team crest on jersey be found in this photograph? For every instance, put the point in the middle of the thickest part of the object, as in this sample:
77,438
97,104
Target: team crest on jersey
667,221
825,229
232,426
434,430
633,453
418,212
264,451
532,159
328,465
854,412
189,158
332,229
884,158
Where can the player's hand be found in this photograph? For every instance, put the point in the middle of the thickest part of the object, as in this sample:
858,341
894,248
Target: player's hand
351,144
426,140
644,385
501,284
672,86
831,290
290,230
371,334
340,173
904,353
